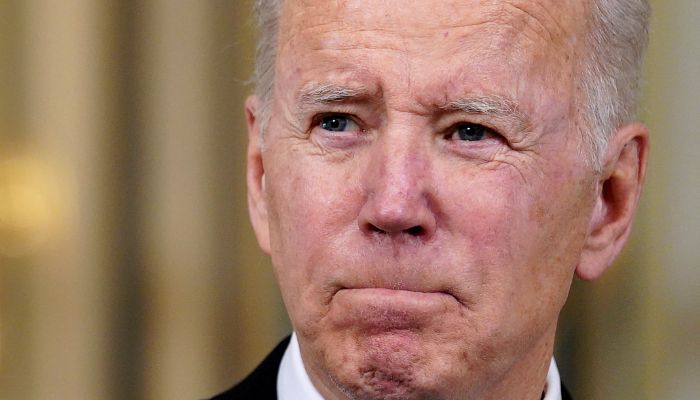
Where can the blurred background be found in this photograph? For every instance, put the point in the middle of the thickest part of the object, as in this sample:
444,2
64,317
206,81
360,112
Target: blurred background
128,268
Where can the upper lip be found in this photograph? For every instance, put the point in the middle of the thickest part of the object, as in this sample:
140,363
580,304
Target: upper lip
397,288
410,285
419,289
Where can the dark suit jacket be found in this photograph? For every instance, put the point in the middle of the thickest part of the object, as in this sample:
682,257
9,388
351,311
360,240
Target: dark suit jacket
261,384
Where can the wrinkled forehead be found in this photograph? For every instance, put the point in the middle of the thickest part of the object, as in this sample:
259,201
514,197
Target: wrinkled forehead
556,21
521,49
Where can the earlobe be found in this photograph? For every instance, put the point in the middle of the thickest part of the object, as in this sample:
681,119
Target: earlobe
618,192
255,173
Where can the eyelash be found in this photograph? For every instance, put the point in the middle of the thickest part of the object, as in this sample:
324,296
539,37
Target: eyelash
317,120
486,131
449,132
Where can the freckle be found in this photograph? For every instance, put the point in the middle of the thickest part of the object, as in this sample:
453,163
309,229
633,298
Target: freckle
537,213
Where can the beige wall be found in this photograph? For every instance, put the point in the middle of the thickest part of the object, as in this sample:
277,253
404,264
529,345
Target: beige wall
633,334
128,268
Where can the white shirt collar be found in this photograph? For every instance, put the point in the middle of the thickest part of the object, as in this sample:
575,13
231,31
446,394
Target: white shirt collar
553,387
293,382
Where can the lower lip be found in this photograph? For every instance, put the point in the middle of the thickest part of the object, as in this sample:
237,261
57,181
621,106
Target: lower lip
388,309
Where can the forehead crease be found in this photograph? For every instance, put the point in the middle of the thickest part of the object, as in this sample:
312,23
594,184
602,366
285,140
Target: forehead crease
331,24
388,17
550,21
479,36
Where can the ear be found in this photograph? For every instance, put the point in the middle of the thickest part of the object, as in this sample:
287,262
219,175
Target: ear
255,175
618,191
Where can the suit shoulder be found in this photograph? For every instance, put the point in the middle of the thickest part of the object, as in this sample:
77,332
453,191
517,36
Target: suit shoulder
262,382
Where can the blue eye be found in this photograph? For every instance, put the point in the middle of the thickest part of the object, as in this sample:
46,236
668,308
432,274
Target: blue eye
471,132
335,123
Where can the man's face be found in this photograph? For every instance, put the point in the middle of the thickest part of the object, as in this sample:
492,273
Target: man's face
425,191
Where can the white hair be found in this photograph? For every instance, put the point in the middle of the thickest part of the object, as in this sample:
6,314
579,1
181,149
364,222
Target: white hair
617,37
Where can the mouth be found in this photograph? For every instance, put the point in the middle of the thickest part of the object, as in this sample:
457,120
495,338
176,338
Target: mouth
399,292
382,309
396,294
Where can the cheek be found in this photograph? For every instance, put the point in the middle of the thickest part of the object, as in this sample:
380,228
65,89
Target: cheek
310,206
524,237
482,211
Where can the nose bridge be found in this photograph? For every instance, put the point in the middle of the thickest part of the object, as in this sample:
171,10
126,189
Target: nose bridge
397,185
399,167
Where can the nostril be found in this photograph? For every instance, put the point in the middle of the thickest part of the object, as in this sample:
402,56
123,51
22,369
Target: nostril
415,230
412,231
374,229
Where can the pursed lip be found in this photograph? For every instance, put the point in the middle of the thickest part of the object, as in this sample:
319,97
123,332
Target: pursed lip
397,295
374,309
395,291
406,284
402,292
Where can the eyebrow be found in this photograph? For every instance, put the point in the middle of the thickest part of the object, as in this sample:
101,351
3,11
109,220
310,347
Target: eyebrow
495,106
316,94
499,107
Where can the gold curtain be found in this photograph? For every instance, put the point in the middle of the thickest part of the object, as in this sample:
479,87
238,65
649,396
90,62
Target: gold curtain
128,268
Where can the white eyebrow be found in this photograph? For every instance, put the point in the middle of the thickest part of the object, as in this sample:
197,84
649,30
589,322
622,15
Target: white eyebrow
482,105
495,106
314,94
326,93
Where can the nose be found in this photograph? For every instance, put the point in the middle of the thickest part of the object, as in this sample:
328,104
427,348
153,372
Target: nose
398,186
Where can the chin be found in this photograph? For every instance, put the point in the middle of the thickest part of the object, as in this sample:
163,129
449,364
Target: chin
388,365
389,344
373,381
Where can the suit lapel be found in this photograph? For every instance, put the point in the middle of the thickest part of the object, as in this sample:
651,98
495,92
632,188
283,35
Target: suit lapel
262,382
565,393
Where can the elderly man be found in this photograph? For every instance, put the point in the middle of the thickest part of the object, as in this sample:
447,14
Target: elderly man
428,176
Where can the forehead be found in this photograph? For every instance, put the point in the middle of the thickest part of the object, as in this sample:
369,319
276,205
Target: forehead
467,43
554,21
